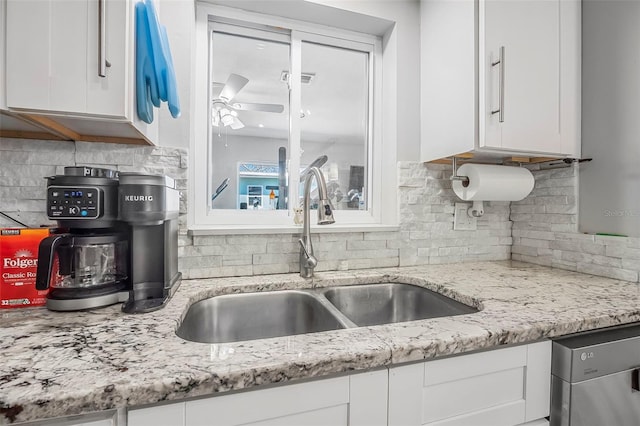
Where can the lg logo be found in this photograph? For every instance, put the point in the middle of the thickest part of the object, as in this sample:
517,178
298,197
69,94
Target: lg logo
586,355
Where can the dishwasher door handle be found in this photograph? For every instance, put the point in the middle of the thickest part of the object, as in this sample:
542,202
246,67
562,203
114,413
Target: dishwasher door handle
635,379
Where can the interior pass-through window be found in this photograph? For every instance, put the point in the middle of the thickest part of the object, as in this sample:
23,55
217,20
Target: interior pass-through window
278,100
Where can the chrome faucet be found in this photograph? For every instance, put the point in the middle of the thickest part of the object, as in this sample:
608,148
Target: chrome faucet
325,217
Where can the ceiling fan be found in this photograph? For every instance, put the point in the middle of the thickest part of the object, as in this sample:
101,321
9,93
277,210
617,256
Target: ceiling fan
225,111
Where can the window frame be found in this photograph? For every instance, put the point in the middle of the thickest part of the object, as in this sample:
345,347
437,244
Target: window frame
200,216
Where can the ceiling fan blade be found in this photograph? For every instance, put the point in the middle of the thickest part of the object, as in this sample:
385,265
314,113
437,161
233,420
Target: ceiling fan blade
237,124
234,84
242,106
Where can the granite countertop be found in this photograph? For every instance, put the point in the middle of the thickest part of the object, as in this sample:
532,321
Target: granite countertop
59,364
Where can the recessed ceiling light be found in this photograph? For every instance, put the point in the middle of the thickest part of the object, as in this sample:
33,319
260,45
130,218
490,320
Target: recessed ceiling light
261,125
260,46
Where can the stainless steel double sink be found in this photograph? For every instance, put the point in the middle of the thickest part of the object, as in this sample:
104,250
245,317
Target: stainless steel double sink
249,316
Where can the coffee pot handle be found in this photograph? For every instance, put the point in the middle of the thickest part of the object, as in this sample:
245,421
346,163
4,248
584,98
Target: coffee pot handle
46,252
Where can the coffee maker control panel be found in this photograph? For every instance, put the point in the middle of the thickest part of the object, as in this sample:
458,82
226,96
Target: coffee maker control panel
73,202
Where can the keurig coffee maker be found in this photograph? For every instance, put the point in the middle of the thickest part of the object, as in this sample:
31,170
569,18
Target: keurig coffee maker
149,205
88,266
121,245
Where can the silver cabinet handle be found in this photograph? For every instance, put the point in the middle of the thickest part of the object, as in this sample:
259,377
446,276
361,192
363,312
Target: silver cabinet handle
102,35
500,110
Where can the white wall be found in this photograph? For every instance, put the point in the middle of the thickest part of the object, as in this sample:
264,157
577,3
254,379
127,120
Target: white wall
609,201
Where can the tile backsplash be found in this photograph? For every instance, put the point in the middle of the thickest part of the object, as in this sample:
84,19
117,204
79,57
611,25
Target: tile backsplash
426,236
545,231
24,164
540,229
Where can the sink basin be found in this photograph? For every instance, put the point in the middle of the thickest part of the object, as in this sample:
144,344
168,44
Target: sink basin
374,304
248,316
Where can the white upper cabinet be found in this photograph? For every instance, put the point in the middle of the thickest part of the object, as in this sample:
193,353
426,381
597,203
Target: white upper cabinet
73,61
500,77
53,55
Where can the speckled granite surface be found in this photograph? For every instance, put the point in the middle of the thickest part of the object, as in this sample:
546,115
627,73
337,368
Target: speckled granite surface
58,364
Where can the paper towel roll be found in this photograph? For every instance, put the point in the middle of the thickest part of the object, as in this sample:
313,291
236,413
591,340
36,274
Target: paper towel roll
493,183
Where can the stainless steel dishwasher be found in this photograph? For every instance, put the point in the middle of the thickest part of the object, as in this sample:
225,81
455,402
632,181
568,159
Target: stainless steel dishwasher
595,378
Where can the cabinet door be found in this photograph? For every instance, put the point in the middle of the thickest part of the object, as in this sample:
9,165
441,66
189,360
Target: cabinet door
27,39
169,414
68,50
52,56
357,400
528,32
297,404
368,398
500,387
110,418
108,95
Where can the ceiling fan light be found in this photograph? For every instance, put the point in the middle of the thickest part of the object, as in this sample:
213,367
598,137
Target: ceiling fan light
227,119
237,124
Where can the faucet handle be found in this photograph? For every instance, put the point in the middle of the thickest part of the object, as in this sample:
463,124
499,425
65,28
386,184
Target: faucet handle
311,261
304,248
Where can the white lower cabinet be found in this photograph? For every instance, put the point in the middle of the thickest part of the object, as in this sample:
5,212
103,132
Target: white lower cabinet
102,418
501,387
357,400
509,386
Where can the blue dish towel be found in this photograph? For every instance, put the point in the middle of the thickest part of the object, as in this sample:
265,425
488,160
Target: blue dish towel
155,75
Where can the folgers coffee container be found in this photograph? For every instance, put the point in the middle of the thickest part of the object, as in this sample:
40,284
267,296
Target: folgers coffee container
18,265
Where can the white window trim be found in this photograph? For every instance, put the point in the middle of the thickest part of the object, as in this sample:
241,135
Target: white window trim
382,191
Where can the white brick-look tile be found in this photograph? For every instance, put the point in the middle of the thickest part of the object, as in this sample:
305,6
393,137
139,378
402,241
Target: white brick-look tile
540,229
545,231
428,223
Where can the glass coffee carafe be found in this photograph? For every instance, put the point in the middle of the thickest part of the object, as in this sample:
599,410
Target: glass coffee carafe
75,266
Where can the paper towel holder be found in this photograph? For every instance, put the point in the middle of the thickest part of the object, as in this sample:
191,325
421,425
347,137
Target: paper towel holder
486,183
454,175
477,208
